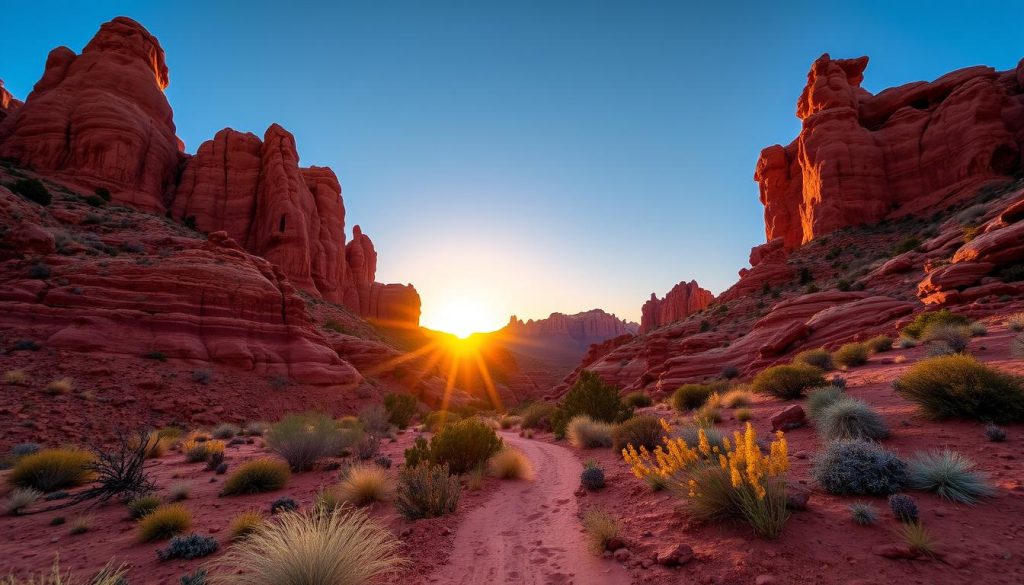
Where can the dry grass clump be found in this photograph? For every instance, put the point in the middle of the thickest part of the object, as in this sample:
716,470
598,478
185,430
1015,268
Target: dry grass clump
142,505
849,418
340,547
245,524
737,397
640,431
20,498
164,522
426,491
879,343
637,399
52,469
304,439
179,491
601,528
584,432
960,386
108,575
156,444
1015,322
16,378
197,451
788,381
744,414
819,358
850,355
257,476
365,484
60,387
81,524
949,474
917,538
510,463
821,398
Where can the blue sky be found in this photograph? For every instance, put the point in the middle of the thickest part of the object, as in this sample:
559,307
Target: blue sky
527,157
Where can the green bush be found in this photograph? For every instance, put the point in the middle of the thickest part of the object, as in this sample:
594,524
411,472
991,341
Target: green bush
257,476
303,439
787,381
142,506
879,343
849,418
32,189
164,522
464,445
52,469
438,418
418,453
858,468
690,396
819,358
638,431
426,491
916,328
851,355
538,416
401,408
821,398
592,397
960,386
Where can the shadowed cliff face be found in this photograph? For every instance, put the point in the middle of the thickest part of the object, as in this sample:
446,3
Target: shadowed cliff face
909,150
100,119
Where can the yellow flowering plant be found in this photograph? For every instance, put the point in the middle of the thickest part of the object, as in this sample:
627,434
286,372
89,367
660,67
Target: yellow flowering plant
734,480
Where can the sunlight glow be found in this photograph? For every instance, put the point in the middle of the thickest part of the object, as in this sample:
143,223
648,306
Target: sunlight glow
462,316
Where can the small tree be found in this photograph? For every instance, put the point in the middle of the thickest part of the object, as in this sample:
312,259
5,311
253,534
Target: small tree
592,397
401,408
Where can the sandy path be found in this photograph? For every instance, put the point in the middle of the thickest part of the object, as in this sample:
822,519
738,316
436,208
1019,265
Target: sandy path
528,532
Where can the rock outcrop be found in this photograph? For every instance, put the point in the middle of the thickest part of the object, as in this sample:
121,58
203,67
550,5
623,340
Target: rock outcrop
912,149
594,326
685,299
100,119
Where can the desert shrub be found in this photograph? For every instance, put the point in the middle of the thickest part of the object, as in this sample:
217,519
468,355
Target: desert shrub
851,355
851,467
787,381
108,575
464,445
18,451
879,343
32,189
691,436
977,329
255,428
417,453
199,451
744,414
156,444
1015,322
401,408
225,431
917,538
903,507
906,342
639,431
52,469
707,415
164,522
954,337
510,463
375,419
601,528
281,505
382,461
821,398
16,378
584,432
368,447
637,399
365,484
592,476
257,476
960,386
155,355
995,434
439,418
179,491
863,514
819,358
538,416
916,328
426,491
142,505
188,547
199,577
245,524
949,474
60,386
590,395
303,439
690,396
342,546
738,482
737,397
730,372
19,499
849,418
906,245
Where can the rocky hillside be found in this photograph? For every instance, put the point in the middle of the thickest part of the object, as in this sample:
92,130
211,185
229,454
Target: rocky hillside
885,206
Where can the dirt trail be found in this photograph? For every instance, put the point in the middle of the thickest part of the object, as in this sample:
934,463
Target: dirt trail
528,532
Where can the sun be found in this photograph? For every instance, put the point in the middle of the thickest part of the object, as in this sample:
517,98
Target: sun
462,316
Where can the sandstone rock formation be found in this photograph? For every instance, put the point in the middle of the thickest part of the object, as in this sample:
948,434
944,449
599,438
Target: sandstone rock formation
563,339
861,157
685,298
100,119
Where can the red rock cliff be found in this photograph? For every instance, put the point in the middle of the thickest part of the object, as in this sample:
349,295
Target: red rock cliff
101,118
685,298
589,327
861,158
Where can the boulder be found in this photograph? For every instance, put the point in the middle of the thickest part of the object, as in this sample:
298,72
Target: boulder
675,555
791,417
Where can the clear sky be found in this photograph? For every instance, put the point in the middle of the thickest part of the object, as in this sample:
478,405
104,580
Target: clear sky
530,156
